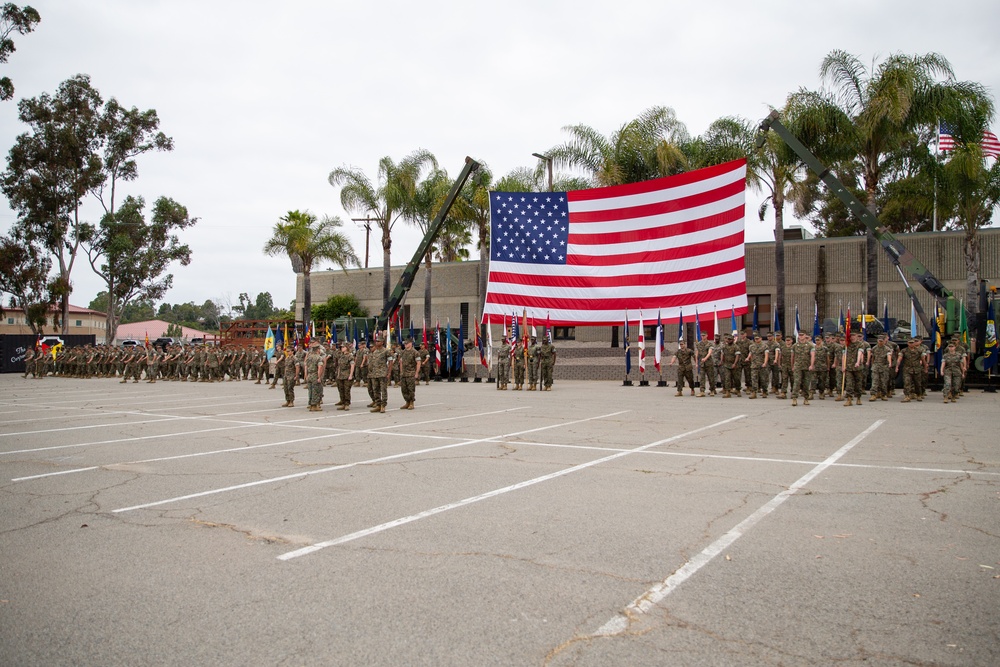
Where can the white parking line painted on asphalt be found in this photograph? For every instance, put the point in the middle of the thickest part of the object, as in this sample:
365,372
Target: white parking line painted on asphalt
332,431
652,597
492,494
381,459
763,459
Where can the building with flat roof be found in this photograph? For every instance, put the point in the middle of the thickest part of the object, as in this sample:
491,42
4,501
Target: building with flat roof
821,273
82,321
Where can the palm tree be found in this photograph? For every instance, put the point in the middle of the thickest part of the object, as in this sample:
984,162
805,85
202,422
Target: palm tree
387,200
307,241
647,147
972,192
771,168
428,197
868,114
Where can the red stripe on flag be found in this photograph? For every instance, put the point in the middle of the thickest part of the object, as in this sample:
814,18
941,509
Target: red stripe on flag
658,208
683,252
660,232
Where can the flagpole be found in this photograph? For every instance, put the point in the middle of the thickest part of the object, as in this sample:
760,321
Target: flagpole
937,146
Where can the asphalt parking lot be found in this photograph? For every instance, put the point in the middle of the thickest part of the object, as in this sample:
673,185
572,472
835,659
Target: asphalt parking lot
201,524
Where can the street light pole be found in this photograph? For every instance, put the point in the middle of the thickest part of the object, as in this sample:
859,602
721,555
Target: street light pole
548,162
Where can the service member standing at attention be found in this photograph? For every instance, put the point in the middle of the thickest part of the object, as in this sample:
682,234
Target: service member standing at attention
951,371
758,357
519,361
315,371
503,365
683,357
378,375
289,376
533,363
803,364
345,376
707,365
409,373
546,362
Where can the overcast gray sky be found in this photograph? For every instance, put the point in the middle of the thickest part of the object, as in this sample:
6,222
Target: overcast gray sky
264,99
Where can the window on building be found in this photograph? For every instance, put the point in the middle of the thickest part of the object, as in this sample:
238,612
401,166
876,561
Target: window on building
404,316
10,320
463,309
79,323
563,333
765,318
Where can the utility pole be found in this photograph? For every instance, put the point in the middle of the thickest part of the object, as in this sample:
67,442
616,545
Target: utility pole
368,232
548,162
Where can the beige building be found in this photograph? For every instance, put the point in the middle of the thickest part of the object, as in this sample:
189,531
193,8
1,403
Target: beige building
828,272
82,321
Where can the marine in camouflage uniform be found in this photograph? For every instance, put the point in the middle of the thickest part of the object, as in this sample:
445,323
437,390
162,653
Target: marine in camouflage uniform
821,372
29,362
519,363
854,371
757,358
773,342
378,375
534,362
707,365
727,368
503,365
742,367
345,376
911,358
683,357
315,371
546,363
289,376
409,371
803,363
951,371
425,365
837,359
785,360
881,363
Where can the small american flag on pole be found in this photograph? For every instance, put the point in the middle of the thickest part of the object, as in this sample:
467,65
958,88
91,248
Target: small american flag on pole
585,255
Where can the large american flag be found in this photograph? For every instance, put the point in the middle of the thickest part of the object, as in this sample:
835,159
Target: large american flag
583,257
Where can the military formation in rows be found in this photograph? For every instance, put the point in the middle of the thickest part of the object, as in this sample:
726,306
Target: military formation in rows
371,365
829,366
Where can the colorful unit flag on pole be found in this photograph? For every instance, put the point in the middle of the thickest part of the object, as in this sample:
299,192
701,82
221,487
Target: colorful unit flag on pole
732,321
658,351
269,343
990,342
816,320
680,327
642,346
797,327
756,326
628,350
775,325
715,329
437,347
581,255
963,324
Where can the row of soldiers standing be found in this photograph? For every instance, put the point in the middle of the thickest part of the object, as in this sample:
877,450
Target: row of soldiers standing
538,359
345,367
174,362
830,365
